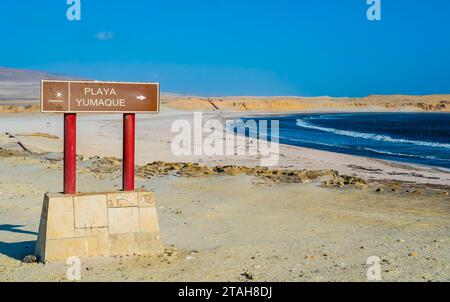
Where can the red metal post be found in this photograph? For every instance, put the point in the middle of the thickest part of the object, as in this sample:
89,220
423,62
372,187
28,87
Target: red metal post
128,151
70,161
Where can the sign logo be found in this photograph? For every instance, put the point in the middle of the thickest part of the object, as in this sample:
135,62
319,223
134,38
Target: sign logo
58,97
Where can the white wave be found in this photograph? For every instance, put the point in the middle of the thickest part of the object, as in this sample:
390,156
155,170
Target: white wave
404,155
371,136
329,116
315,143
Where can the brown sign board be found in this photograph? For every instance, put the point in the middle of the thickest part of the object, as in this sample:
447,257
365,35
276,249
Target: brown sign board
103,97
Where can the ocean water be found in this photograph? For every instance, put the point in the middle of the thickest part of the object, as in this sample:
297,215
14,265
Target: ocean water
421,138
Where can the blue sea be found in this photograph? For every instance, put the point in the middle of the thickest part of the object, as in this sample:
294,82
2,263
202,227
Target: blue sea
420,138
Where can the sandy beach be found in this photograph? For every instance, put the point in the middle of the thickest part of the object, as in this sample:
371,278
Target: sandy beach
230,223
101,135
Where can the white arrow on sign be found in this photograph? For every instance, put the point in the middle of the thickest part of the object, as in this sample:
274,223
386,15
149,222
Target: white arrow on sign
141,97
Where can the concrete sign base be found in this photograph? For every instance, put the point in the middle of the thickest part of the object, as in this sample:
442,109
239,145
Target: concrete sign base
98,224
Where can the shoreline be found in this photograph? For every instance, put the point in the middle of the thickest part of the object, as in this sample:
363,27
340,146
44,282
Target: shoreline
417,166
392,161
100,135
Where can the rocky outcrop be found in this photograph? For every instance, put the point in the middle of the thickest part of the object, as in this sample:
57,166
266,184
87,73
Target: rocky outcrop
328,178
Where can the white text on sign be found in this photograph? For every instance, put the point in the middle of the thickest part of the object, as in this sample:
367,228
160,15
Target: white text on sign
104,102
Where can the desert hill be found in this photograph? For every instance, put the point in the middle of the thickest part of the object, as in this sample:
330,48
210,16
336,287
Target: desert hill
23,84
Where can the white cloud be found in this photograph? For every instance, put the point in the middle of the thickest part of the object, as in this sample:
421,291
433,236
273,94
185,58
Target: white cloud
104,35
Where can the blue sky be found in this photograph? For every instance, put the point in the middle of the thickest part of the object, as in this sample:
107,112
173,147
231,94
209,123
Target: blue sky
237,47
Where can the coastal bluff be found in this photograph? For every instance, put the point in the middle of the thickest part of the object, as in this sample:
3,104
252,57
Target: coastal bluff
389,103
